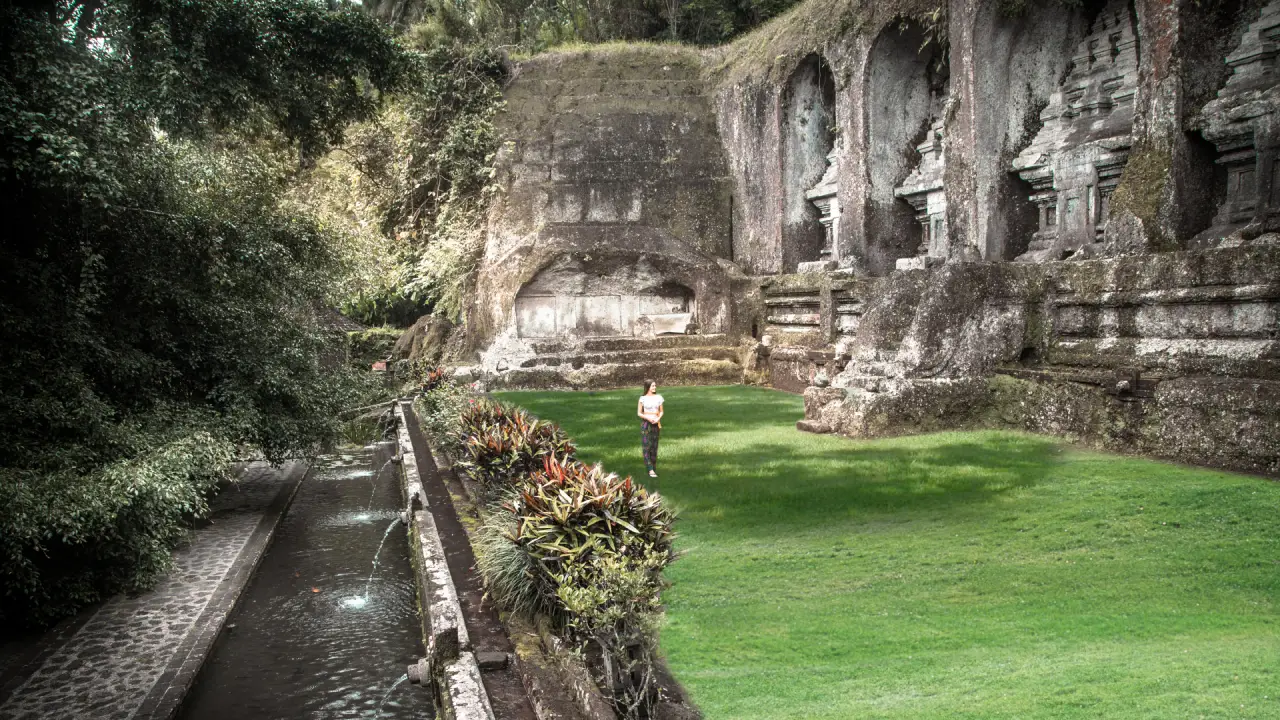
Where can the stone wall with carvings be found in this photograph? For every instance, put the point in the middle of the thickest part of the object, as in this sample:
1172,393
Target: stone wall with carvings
1175,355
1063,220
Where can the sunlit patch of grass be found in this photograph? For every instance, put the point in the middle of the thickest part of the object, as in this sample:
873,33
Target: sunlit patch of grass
955,575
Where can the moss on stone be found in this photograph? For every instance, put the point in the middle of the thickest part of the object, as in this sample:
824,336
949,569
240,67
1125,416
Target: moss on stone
771,52
1143,185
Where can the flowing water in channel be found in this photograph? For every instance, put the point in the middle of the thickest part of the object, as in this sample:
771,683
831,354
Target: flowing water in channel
329,622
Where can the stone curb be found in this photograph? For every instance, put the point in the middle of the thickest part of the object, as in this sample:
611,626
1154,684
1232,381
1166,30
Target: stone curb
415,497
464,696
450,664
165,698
447,632
565,692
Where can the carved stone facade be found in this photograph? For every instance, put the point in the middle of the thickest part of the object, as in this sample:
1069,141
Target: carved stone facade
1242,124
924,190
842,224
826,197
1075,161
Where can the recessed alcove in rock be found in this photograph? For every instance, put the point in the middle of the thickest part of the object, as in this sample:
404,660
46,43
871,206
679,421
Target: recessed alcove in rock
809,138
905,72
581,296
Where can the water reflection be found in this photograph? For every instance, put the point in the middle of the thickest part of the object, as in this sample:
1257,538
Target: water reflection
330,621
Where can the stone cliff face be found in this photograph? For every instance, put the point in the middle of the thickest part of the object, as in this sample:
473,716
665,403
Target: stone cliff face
1063,221
612,220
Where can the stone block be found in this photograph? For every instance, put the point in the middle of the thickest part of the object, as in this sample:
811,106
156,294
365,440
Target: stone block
817,266
446,630
492,660
920,262
463,695
813,426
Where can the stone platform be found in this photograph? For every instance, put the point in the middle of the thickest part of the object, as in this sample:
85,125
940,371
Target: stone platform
135,657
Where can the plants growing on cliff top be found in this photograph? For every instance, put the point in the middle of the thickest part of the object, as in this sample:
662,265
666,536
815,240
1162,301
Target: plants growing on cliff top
410,187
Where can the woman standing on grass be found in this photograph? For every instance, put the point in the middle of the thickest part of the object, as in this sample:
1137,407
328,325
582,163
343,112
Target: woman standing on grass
650,411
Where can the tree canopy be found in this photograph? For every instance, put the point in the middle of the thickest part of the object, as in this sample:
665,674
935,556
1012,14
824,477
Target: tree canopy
160,300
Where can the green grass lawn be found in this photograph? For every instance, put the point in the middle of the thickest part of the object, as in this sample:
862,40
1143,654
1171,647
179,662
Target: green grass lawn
955,575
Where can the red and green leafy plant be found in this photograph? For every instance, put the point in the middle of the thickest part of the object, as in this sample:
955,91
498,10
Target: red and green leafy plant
433,379
498,446
587,548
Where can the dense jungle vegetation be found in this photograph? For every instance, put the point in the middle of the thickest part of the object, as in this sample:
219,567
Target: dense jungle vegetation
192,187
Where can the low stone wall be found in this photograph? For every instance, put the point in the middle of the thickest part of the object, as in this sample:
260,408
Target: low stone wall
450,665
1175,355
556,682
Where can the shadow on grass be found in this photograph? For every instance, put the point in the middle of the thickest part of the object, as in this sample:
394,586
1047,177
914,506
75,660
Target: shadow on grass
779,487
732,454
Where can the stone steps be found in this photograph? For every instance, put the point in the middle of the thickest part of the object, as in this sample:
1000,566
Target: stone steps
619,344
629,357
605,376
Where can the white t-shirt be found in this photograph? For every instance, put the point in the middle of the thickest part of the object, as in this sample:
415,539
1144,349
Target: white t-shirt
650,403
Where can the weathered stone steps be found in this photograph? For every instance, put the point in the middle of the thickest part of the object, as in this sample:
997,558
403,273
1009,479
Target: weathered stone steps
614,344
617,375
627,357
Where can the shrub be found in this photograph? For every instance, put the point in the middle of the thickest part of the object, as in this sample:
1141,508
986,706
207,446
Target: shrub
365,347
433,380
587,548
501,445
440,414
70,538
569,513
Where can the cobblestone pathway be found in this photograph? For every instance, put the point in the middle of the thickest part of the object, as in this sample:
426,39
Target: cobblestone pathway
135,657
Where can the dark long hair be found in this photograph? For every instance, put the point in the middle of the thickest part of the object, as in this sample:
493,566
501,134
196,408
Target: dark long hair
648,384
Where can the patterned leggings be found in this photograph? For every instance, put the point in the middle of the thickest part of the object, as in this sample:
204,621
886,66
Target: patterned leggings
649,444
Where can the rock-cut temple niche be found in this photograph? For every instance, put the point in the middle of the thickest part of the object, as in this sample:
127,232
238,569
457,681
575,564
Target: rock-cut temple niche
1075,161
809,127
584,296
923,187
1242,123
906,88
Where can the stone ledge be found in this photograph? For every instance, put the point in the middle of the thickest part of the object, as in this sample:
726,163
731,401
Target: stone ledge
446,631
462,694
415,498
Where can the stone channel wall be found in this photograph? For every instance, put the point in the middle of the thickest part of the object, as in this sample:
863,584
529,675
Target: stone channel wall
450,666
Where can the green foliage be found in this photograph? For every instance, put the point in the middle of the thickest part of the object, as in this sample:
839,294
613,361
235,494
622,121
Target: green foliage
570,512
433,380
296,66
596,547
409,188
566,540
499,446
536,27
69,538
159,284
371,345
440,414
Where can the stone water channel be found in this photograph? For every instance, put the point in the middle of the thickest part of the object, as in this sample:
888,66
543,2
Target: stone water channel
329,623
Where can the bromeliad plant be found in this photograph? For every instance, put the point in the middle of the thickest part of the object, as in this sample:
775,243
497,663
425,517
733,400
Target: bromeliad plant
499,446
563,539
592,547
568,512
